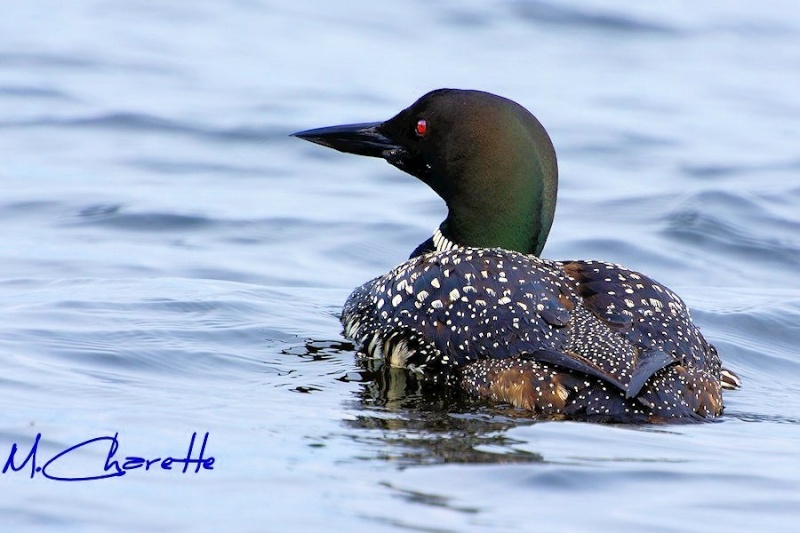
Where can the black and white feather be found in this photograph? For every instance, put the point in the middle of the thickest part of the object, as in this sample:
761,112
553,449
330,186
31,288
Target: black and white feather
606,340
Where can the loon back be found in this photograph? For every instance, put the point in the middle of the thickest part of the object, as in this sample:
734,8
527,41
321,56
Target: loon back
574,338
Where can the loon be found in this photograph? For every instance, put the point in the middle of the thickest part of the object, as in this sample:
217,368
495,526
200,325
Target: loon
476,308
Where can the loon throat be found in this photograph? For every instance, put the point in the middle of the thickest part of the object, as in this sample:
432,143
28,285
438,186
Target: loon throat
442,243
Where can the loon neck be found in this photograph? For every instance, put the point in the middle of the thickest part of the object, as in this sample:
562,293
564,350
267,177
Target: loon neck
515,216
520,229
500,192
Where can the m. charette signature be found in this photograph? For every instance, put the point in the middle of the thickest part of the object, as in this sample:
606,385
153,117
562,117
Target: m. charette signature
55,466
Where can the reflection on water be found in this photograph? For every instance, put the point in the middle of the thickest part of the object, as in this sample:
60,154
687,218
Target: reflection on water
412,424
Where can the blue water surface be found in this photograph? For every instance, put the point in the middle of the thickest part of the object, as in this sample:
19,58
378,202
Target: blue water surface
173,263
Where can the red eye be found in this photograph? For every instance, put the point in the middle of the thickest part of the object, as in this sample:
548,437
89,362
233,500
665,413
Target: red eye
421,127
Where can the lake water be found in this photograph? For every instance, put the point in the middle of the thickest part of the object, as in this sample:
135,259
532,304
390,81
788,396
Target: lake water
172,262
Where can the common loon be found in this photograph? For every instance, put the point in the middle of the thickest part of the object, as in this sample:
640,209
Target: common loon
476,307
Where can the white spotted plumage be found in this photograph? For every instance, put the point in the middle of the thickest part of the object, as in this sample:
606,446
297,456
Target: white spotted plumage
611,342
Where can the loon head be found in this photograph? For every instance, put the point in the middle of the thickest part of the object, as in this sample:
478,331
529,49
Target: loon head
486,156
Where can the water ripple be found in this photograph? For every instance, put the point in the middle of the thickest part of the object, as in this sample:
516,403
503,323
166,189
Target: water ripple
592,18
25,92
110,216
146,123
736,226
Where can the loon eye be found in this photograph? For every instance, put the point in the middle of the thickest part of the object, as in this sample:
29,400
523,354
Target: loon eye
421,128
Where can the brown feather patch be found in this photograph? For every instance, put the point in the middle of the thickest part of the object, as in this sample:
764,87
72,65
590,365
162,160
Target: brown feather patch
527,385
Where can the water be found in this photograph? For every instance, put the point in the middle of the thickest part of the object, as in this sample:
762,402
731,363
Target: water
171,262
